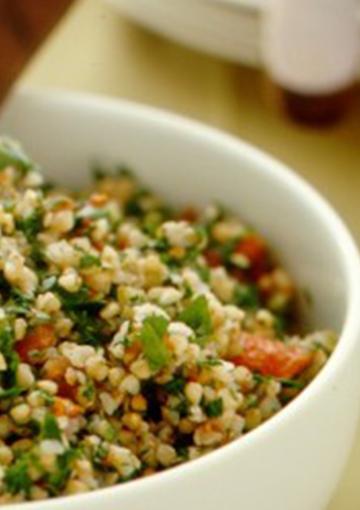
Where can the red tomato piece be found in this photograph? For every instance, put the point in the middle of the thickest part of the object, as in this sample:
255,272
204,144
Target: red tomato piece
38,339
272,357
189,214
213,258
65,390
255,250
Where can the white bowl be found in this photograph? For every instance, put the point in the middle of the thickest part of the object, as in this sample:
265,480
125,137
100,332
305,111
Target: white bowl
293,461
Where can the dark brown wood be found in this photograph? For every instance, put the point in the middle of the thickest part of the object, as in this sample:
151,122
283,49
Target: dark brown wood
24,24
317,110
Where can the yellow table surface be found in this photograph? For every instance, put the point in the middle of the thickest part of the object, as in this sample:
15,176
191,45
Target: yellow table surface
94,49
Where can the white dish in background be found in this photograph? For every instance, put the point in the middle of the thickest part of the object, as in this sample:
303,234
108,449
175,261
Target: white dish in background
227,28
230,29
293,461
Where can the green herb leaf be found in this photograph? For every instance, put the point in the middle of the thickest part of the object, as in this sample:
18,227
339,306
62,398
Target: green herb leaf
88,391
88,326
89,260
246,296
47,397
8,378
259,378
182,408
17,477
37,256
84,313
13,392
292,383
203,272
19,303
57,480
197,316
214,408
50,427
6,340
31,225
227,249
251,400
280,325
175,386
151,337
210,362
288,383
71,300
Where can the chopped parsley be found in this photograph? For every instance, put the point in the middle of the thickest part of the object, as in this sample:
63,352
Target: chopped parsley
227,249
288,383
203,272
151,337
84,313
197,316
210,362
50,427
71,300
251,400
89,260
31,225
175,386
280,325
88,327
18,303
291,383
8,377
47,397
214,408
17,478
10,392
246,296
37,256
182,408
57,480
89,390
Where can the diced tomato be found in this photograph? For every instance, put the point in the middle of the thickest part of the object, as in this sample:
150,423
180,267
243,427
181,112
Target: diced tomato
213,258
65,407
189,214
271,357
99,245
123,244
255,250
67,390
38,339
238,274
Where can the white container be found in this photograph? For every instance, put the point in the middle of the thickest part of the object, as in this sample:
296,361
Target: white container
294,461
312,46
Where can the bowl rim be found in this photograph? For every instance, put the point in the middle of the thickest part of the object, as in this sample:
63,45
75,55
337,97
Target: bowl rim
348,337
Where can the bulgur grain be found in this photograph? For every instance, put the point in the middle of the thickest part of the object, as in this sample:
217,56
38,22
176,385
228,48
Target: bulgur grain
132,339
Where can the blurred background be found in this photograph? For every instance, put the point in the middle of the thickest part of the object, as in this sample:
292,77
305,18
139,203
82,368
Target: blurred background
98,48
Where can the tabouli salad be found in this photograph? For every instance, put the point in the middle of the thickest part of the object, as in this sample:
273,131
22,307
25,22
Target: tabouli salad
133,336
